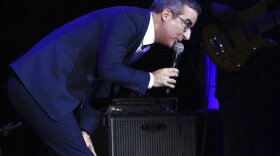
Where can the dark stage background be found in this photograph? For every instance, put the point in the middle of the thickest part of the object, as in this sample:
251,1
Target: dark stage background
254,87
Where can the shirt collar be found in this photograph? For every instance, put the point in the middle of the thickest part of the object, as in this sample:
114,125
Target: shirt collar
149,37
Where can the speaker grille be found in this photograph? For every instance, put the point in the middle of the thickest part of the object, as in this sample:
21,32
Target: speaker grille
152,136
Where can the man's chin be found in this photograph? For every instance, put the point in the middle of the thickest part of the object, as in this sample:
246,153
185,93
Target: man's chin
170,44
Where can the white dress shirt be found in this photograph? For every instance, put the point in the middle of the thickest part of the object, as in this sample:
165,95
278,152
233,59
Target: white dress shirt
148,39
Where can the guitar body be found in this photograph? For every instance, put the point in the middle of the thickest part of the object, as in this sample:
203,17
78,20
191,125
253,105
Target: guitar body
230,54
230,48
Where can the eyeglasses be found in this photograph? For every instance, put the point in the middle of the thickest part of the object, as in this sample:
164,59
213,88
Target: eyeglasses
188,23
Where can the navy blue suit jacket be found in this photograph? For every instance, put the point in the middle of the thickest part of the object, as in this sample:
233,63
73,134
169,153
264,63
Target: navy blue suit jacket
60,68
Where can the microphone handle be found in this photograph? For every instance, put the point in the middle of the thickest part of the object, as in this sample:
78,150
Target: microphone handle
175,61
167,91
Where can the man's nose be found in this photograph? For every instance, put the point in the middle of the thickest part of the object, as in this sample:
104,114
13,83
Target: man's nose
187,34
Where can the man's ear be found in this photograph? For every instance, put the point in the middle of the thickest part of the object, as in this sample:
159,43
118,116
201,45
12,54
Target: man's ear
166,14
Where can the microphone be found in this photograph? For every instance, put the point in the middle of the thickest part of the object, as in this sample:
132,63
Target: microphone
178,49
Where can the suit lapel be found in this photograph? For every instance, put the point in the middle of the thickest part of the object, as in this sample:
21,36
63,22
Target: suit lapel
135,44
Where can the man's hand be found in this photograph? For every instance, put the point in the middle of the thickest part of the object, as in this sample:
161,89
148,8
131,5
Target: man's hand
87,139
165,77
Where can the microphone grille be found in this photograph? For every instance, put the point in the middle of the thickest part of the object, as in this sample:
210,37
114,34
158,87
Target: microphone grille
178,47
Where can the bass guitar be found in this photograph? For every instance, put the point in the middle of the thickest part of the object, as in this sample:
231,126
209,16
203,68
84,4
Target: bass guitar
230,48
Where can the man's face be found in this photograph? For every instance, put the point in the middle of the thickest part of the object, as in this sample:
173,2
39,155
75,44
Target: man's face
175,30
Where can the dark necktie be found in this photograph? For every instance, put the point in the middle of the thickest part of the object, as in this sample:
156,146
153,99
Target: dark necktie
138,54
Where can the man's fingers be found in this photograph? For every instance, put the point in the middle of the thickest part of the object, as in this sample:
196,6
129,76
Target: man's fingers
170,85
173,72
171,81
91,148
165,77
88,142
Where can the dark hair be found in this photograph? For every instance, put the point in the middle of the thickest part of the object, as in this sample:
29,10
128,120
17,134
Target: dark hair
175,6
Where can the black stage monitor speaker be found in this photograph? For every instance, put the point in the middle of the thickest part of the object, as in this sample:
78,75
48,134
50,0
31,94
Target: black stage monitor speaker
164,135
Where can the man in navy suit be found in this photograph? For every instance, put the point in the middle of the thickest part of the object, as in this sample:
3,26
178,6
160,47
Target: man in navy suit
95,50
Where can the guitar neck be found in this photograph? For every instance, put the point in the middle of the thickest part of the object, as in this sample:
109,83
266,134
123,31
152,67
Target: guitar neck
266,21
